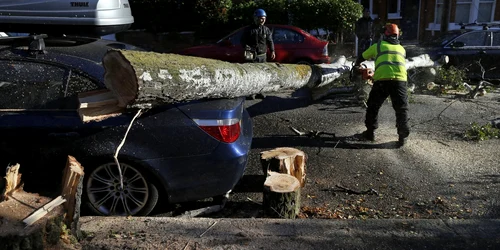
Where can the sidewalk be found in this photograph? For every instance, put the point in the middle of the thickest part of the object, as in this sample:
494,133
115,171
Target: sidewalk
215,233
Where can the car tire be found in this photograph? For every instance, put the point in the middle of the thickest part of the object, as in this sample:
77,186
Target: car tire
102,193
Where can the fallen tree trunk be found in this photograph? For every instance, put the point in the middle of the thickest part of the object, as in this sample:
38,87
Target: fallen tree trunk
145,79
138,79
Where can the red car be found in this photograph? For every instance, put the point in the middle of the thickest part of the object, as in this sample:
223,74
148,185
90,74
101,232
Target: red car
292,45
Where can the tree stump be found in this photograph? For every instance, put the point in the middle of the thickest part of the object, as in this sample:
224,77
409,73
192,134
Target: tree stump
31,221
285,160
72,192
44,233
281,196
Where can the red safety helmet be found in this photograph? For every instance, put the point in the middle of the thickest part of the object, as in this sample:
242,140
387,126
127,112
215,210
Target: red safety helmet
391,30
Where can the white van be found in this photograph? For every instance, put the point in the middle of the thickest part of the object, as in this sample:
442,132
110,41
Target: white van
69,17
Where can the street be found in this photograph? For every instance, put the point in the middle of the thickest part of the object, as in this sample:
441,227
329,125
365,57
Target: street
438,174
438,192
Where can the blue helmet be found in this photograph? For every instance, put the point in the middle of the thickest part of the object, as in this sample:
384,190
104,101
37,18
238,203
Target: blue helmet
259,13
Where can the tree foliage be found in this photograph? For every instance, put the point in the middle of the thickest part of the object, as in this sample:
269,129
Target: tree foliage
177,15
213,11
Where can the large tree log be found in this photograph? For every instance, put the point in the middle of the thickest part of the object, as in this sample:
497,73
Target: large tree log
138,79
144,79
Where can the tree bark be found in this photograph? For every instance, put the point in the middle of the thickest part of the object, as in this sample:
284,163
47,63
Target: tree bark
281,196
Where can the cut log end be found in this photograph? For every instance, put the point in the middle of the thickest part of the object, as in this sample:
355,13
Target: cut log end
285,160
120,77
281,183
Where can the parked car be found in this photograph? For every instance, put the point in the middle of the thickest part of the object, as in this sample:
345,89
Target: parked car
179,152
292,45
467,47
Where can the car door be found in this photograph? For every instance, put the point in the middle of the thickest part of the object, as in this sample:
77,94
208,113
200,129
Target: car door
229,48
468,50
38,120
289,45
492,53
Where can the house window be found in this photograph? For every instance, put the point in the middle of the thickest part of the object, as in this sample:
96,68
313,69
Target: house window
393,9
462,11
469,11
439,11
485,10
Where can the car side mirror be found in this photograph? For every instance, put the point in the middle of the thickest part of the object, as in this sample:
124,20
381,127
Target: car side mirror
457,44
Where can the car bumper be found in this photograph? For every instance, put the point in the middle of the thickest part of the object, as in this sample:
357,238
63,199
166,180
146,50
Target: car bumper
198,177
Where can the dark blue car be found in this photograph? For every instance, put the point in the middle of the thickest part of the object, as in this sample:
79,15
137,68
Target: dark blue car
175,153
469,49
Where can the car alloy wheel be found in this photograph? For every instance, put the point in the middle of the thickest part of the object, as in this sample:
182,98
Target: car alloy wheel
105,195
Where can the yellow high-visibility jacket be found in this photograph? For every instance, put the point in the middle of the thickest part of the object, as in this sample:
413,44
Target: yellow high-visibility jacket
390,61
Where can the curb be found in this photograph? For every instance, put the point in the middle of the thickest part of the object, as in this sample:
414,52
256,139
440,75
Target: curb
223,233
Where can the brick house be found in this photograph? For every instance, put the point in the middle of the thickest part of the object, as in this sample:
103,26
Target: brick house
421,19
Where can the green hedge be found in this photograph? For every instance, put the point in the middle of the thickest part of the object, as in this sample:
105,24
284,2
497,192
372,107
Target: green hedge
214,18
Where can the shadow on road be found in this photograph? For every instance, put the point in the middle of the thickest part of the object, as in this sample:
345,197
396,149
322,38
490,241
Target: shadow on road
270,104
348,142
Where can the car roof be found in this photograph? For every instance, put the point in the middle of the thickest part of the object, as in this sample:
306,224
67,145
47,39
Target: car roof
82,53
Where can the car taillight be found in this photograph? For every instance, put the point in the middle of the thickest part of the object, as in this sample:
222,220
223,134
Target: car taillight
225,130
325,50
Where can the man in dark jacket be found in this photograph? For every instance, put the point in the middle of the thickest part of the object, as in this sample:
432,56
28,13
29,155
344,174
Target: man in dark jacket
364,31
258,37
389,80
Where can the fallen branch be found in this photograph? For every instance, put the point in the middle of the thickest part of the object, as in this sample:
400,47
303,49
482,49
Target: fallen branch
205,210
350,191
311,133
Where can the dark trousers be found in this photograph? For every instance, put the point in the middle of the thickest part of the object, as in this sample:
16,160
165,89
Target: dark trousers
260,58
397,90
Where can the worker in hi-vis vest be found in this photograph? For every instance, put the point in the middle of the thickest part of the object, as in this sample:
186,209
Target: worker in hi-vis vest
390,79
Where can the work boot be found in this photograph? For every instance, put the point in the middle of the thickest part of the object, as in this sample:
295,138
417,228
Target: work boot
368,135
402,141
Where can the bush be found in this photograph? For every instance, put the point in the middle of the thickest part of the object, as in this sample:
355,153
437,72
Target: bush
450,77
482,133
